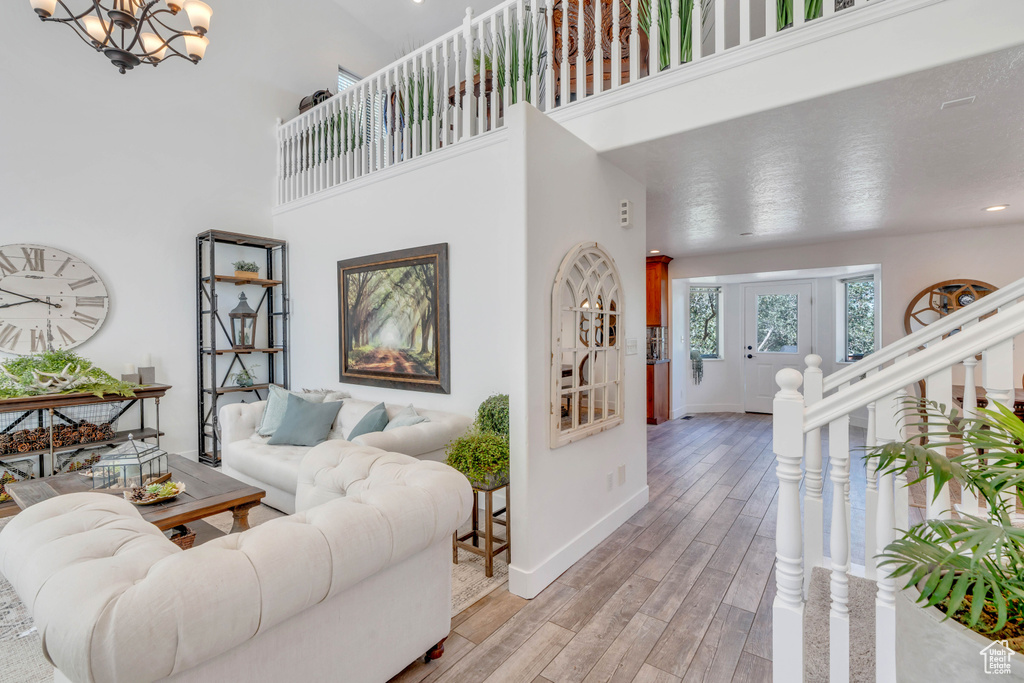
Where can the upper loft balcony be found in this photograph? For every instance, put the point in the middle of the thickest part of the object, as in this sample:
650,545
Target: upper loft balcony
668,67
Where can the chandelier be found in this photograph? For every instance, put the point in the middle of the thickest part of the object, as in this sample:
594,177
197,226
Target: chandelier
133,32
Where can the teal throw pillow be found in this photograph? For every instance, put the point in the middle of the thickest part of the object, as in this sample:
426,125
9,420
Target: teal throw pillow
305,423
374,421
406,418
277,402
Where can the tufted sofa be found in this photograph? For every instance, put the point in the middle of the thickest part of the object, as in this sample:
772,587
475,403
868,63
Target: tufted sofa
248,457
352,588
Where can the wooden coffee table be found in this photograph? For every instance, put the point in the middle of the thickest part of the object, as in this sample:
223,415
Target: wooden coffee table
207,492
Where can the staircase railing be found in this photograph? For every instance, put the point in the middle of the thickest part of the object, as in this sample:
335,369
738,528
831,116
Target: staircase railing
799,419
457,88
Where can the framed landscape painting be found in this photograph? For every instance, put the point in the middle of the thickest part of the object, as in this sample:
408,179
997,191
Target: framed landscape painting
393,322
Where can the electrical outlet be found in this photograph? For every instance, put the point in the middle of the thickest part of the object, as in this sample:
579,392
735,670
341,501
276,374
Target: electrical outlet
609,481
622,475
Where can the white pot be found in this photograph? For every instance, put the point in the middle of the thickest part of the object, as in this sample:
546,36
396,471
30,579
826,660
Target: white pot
929,650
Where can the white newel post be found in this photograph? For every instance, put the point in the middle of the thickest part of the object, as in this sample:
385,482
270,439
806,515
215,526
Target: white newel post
788,608
839,549
871,492
814,515
887,431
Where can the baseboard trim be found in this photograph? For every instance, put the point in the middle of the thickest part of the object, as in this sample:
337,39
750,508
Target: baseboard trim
677,413
528,584
716,408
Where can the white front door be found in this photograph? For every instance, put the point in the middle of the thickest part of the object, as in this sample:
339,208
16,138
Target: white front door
776,334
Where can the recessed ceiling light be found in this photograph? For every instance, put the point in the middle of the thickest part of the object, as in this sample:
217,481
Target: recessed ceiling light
746,234
655,251
997,207
417,1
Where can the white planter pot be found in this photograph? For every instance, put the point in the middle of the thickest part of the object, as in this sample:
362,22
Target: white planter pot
929,649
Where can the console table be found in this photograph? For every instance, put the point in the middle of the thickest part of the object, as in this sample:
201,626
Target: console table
44,416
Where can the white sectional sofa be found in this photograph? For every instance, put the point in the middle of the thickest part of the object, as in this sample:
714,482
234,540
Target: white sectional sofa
247,456
352,588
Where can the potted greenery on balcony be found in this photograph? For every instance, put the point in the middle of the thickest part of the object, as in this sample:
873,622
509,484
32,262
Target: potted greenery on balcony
482,454
966,574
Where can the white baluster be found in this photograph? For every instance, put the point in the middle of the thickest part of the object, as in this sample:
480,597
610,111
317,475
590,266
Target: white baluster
999,382
674,35
839,616
719,25
969,499
581,51
901,493
616,44
468,102
799,12
495,96
887,431
745,36
814,516
939,388
280,163
655,39
634,41
598,47
447,107
535,22
549,74
828,8
439,106
788,608
697,32
565,91
871,491
481,113
771,17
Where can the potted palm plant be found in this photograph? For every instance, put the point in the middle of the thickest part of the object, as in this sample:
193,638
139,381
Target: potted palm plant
962,604
482,454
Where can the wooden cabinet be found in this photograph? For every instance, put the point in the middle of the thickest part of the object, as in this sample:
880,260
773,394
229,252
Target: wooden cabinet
657,392
657,291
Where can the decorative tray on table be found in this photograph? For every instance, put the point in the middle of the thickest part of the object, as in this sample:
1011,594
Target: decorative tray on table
155,493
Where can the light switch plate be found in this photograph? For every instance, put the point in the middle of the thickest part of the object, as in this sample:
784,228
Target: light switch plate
631,347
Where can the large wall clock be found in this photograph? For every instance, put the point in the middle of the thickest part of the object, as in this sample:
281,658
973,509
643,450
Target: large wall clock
49,299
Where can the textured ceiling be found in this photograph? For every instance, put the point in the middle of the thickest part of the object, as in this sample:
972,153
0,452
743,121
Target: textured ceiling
405,25
879,159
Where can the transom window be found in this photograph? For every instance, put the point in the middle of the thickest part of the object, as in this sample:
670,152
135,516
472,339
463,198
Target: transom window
587,349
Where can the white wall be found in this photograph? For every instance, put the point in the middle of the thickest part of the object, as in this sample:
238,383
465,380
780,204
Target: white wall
561,507
908,265
124,171
460,197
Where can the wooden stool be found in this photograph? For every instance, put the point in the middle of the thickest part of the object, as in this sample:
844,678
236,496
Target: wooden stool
487,533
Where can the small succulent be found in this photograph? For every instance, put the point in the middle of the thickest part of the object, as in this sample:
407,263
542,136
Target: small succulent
246,266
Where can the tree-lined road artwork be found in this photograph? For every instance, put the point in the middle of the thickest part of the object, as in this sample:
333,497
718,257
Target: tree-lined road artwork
391,320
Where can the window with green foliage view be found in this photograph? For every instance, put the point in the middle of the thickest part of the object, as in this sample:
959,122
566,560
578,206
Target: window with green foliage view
705,321
859,306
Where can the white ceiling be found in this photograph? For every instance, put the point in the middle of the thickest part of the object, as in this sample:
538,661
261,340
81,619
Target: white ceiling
879,159
405,25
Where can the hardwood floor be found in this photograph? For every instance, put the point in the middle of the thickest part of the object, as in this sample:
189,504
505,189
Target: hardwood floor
681,592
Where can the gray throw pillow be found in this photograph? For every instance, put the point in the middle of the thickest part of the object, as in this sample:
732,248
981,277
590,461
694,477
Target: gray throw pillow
406,418
305,423
277,402
374,421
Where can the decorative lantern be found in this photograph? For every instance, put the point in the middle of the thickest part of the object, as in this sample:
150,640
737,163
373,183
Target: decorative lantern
133,463
243,325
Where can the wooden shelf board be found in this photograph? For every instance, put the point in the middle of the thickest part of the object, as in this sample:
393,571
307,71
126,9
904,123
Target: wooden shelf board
245,280
47,401
226,237
241,352
232,390
119,438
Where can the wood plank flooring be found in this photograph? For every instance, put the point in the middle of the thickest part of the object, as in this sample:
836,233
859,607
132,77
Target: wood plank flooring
681,592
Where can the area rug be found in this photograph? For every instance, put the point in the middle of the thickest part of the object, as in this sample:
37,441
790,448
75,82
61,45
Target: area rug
21,651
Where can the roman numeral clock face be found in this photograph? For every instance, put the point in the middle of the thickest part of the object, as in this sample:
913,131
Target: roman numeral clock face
49,299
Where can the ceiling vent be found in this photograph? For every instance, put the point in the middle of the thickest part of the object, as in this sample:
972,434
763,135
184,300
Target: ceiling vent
962,102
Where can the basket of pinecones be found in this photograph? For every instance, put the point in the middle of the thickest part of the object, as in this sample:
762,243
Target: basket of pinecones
38,439
183,537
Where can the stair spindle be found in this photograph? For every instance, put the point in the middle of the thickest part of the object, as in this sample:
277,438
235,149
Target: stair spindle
814,515
999,382
634,41
549,72
969,499
839,615
675,36
939,386
871,491
468,102
598,47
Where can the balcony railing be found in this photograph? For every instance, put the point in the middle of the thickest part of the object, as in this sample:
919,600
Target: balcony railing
543,51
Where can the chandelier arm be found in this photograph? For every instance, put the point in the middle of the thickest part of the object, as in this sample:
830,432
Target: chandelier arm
86,38
153,17
71,15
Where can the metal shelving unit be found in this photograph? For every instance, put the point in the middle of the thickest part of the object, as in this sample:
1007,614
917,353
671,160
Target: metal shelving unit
213,332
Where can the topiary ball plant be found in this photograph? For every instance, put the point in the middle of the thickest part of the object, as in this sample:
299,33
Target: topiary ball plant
482,454
492,415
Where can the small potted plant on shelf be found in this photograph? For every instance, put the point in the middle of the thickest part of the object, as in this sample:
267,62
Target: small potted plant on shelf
246,269
482,453
245,377
965,573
